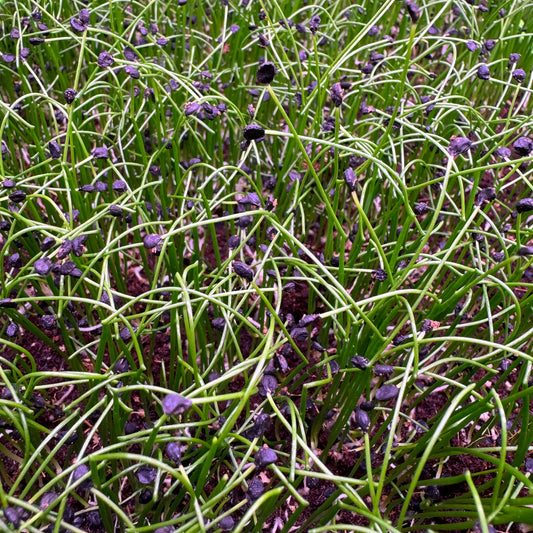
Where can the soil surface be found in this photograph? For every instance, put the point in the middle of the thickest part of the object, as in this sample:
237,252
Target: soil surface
345,460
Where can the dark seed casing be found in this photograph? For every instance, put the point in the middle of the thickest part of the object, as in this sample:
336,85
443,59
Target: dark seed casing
43,266
264,457
360,362
336,92
174,404
243,270
483,72
386,393
523,146
78,473
146,474
524,205
152,240
383,370
350,179
379,275
105,60
413,10
519,75
253,132
459,145
525,251
78,25
362,419
70,95
226,524
255,488
54,149
173,452
266,73
17,197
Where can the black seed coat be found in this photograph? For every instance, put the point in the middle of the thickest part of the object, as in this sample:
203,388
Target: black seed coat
43,266
459,145
264,457
362,419
174,404
253,132
386,393
350,179
54,149
523,146
266,73
70,95
243,270
524,205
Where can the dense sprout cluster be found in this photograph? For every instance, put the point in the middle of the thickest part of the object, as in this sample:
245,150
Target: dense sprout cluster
265,265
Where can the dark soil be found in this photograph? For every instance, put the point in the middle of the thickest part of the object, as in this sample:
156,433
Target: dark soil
297,302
